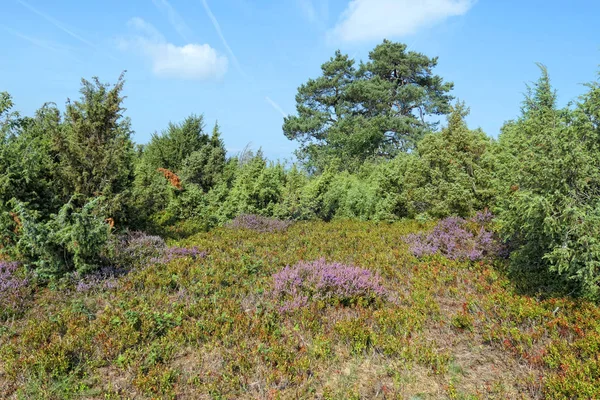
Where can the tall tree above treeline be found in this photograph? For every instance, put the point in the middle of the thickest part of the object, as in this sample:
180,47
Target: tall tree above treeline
376,110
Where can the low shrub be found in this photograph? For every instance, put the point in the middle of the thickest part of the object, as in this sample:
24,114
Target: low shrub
333,283
457,239
138,249
135,249
258,223
103,279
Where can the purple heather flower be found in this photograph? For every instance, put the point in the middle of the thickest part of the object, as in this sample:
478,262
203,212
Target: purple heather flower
137,249
295,286
11,288
455,239
105,278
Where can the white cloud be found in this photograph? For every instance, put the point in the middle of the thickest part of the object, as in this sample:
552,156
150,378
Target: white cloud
378,19
192,61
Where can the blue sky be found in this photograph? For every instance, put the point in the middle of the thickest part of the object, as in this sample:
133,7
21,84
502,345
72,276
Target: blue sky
241,61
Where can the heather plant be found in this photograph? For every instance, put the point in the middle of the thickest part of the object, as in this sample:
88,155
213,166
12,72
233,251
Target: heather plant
14,286
138,249
134,249
331,283
103,279
457,239
445,317
258,223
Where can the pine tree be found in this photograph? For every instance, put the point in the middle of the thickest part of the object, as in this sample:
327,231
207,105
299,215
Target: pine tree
376,111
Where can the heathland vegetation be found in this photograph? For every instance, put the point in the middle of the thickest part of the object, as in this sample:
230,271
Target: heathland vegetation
400,257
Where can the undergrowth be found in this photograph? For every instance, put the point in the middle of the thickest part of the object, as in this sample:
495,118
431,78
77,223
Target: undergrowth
200,320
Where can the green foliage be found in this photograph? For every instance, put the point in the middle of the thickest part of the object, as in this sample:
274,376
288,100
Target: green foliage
199,159
451,172
27,163
8,119
151,193
312,198
94,150
549,177
290,206
256,189
377,110
71,240
170,148
205,166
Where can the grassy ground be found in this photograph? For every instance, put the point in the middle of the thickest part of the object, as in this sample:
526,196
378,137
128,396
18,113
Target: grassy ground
207,328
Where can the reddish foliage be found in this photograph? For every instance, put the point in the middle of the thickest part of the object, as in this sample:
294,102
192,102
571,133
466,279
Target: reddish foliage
17,221
172,177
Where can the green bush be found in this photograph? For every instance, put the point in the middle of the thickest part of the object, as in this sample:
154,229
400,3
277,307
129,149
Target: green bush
549,178
450,174
72,240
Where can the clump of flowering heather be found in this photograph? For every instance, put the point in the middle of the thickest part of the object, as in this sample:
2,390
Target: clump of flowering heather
333,283
105,279
136,249
259,223
457,239
12,289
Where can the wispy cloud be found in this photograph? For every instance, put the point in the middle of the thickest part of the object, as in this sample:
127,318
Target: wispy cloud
56,23
37,42
276,106
308,9
315,14
175,19
43,44
192,61
217,26
233,57
378,19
